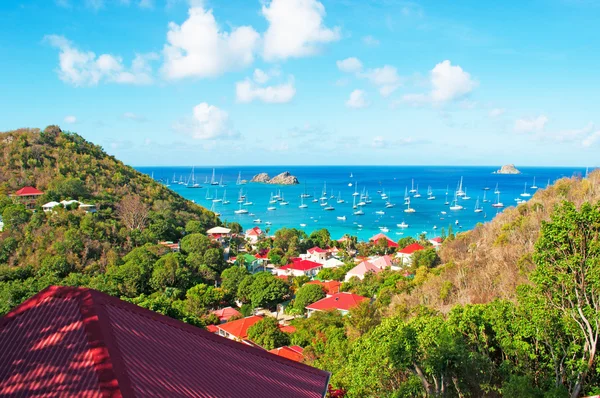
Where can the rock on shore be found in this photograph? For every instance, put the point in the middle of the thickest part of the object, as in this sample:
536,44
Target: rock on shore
508,169
284,178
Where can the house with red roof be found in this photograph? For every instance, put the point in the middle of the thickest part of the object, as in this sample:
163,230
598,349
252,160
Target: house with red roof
253,235
293,352
436,242
238,330
340,301
27,196
379,236
405,255
226,313
317,255
384,262
330,287
68,341
361,270
300,268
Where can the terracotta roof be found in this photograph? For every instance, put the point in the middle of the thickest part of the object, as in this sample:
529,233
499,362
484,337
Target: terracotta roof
254,231
410,249
79,342
287,329
364,267
239,327
317,249
437,239
340,301
289,353
302,265
212,328
330,287
225,313
28,191
377,237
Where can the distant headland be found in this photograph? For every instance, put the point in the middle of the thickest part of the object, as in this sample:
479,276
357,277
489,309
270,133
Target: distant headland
284,178
507,169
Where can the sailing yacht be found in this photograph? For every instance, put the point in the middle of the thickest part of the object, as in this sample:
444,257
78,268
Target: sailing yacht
446,202
272,199
406,197
359,212
380,212
412,187
221,182
246,202
408,208
217,199
208,197
212,179
339,199
459,191
525,194
283,202
324,194
477,208
341,218
192,181
212,208
430,193
304,194
224,200
496,191
389,204
465,197
484,199
456,206
402,225
315,200
354,202
329,208
355,190
533,186
498,204
417,194
241,211
302,205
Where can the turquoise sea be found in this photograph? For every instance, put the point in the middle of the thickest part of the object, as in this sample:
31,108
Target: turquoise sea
374,180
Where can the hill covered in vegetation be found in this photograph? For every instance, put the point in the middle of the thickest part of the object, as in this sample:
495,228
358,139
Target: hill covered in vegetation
133,211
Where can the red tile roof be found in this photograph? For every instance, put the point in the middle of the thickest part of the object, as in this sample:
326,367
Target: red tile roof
225,313
437,239
289,353
239,327
28,191
377,237
79,342
287,329
212,328
340,301
302,265
330,287
410,249
317,249
254,231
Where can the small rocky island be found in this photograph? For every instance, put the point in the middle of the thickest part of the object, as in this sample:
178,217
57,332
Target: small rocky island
284,178
508,169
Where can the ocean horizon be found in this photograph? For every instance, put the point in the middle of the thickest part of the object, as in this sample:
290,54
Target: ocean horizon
384,185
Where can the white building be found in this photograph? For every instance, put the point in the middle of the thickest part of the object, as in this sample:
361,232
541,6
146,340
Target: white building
253,235
317,255
300,268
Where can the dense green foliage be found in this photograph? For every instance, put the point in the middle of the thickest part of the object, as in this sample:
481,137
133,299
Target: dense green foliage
267,334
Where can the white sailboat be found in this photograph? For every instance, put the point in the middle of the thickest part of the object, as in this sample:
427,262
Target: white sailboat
446,202
533,186
355,190
192,181
212,179
496,191
329,208
465,196
241,211
456,206
459,190
412,187
341,218
324,194
430,193
477,208
302,205
417,194
216,198
283,202
339,199
525,194
484,198
498,204
402,225
380,212
408,208
208,197
389,204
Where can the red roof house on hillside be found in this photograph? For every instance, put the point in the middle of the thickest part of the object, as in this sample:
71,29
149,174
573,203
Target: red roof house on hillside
253,234
226,313
300,267
28,196
340,301
69,341
330,287
238,329
292,352
376,238
406,254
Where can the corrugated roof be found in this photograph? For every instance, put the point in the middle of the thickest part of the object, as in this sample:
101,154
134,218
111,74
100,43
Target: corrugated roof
289,353
410,249
76,342
239,327
302,265
340,301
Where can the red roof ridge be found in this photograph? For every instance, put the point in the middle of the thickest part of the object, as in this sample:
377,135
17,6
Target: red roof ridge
108,361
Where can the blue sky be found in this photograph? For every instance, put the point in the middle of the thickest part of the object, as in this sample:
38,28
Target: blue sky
179,82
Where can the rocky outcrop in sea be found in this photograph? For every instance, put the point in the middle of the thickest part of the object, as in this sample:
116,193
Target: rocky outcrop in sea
508,169
284,178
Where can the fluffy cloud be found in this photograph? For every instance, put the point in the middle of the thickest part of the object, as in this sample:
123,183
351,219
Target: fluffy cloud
349,65
70,119
208,123
586,136
248,91
81,68
386,78
198,47
497,112
357,100
448,83
295,29
591,140
531,125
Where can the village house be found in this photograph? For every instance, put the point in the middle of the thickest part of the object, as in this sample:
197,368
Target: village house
253,235
294,352
27,196
300,268
251,262
384,262
405,255
238,330
226,313
436,242
342,302
361,270
174,247
218,233
64,203
330,287
333,263
87,344
317,255
378,237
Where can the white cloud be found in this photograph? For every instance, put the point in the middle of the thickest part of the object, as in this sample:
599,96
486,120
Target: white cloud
199,48
370,41
295,29
531,125
260,76
70,119
208,123
357,100
450,82
592,139
349,65
386,78
248,91
148,4
497,112
81,68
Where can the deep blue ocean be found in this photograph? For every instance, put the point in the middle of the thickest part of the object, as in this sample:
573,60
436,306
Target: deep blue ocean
391,180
